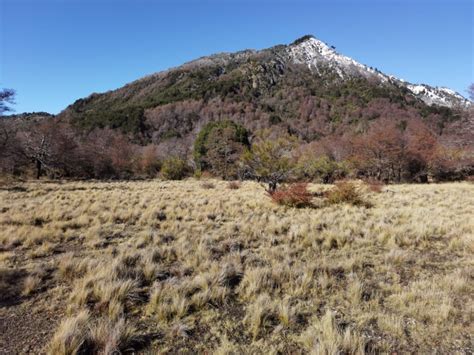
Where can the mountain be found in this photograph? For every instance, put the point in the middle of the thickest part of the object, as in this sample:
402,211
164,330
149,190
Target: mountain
313,52
306,88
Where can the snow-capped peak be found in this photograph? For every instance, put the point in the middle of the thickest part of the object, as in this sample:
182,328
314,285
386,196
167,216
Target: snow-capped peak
314,53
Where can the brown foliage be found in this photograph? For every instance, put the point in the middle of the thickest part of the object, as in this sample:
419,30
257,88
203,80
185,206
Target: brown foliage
233,185
208,185
293,195
374,185
395,151
149,164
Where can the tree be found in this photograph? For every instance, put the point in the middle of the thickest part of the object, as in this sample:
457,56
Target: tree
106,153
149,164
320,168
218,148
270,160
11,158
7,96
422,147
471,91
380,152
37,139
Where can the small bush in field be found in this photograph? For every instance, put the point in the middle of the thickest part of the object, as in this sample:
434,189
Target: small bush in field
205,175
208,185
345,192
174,169
374,186
233,185
294,195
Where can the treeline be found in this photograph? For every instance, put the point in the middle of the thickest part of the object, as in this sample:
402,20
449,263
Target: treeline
389,150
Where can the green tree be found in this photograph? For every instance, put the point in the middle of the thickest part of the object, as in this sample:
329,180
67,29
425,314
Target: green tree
320,168
270,160
219,146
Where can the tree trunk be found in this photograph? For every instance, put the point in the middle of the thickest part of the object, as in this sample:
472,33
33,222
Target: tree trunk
272,185
38,169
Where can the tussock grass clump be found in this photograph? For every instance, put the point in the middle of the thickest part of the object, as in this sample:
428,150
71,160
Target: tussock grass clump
325,336
260,315
83,334
112,337
71,336
30,284
70,267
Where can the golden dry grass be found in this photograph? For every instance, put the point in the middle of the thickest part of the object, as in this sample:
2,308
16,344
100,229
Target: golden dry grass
166,266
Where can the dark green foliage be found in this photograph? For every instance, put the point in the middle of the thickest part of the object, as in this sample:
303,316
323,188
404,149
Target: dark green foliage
218,145
174,168
129,119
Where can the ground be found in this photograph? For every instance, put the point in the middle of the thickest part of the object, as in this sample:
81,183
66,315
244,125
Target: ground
199,267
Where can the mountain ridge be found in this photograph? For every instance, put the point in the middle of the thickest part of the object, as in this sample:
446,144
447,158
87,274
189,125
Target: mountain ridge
431,95
305,87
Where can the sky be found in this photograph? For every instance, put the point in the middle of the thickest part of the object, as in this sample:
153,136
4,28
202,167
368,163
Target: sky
53,52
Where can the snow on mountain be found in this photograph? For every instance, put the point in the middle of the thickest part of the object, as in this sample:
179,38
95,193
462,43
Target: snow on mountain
314,53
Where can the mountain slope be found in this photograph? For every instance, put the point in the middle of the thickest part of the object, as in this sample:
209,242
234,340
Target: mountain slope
305,88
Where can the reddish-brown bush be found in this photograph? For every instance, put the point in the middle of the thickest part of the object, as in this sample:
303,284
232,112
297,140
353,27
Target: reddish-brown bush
294,195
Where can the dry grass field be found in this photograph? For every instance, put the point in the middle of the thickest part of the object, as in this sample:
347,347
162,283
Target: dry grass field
198,267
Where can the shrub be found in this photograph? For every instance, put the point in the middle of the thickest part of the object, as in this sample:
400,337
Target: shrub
202,175
233,185
174,168
374,186
149,164
294,195
208,185
344,192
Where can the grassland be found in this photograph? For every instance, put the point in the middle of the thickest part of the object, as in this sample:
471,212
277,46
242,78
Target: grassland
193,266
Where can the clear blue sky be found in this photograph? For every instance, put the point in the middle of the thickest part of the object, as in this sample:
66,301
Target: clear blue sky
56,51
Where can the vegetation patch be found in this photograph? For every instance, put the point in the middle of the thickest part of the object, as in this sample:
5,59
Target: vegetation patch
169,265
